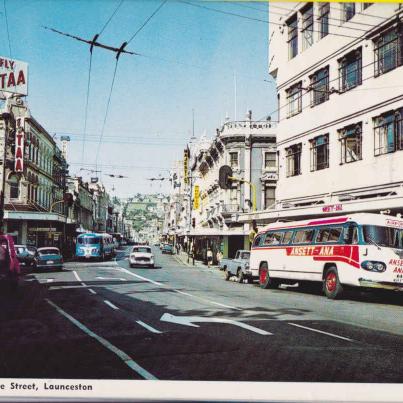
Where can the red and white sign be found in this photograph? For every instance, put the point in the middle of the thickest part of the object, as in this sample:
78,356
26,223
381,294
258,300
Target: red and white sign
332,208
19,145
13,76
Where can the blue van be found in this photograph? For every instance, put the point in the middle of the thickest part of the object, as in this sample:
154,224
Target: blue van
93,245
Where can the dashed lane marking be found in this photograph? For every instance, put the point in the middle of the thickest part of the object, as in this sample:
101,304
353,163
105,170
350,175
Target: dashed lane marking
91,291
178,291
121,354
110,304
321,331
148,327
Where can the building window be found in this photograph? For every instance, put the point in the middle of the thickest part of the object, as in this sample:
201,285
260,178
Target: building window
269,160
388,130
320,86
269,197
293,158
388,51
233,160
351,140
324,10
350,70
320,152
348,11
292,25
14,184
307,27
294,99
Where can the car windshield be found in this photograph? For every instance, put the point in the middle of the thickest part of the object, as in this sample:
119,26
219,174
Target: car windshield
142,250
245,255
20,249
384,236
49,252
88,240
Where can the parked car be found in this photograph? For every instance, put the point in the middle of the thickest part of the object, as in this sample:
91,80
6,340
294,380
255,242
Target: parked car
48,258
167,248
31,249
239,267
24,256
141,256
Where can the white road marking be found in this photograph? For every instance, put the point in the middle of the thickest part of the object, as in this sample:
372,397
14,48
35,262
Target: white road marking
111,278
121,354
188,321
78,278
110,304
321,331
148,327
49,280
91,291
141,277
180,292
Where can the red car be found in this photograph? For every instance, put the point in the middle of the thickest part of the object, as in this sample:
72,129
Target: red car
9,264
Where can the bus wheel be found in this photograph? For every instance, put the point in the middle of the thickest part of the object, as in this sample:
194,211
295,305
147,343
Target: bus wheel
331,283
265,281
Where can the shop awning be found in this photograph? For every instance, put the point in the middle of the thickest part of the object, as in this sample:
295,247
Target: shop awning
216,232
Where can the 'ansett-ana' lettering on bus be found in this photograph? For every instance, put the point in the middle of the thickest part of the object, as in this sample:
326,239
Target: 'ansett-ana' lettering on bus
312,250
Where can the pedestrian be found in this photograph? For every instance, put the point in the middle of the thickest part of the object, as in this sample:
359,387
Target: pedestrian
193,252
209,257
219,256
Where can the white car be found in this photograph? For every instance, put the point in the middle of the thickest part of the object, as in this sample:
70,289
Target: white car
141,256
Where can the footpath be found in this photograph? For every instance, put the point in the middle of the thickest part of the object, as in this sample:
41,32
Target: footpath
182,258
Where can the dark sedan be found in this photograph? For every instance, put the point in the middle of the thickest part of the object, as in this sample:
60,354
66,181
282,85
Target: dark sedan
24,256
48,258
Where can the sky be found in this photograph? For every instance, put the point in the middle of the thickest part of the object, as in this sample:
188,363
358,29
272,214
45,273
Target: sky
189,58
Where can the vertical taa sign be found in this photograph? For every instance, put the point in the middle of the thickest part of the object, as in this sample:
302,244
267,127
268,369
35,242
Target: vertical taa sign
19,145
196,198
13,76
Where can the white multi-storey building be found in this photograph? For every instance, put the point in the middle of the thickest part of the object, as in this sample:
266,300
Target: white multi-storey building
339,74
249,148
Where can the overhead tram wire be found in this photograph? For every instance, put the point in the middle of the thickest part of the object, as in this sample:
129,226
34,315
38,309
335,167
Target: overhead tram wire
8,31
331,8
114,75
89,77
106,112
147,21
254,18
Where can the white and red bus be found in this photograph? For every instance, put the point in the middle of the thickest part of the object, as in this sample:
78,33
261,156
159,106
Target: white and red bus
361,250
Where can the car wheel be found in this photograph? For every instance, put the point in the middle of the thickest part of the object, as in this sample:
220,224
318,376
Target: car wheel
265,280
151,266
331,283
250,280
131,265
240,276
227,275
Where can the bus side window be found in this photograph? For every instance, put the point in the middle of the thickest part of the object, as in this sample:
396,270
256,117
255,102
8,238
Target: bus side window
351,234
287,237
256,242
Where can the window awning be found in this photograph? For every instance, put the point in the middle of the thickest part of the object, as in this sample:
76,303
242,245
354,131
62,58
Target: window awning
216,232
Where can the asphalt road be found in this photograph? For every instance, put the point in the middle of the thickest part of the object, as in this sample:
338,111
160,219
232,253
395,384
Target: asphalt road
104,320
